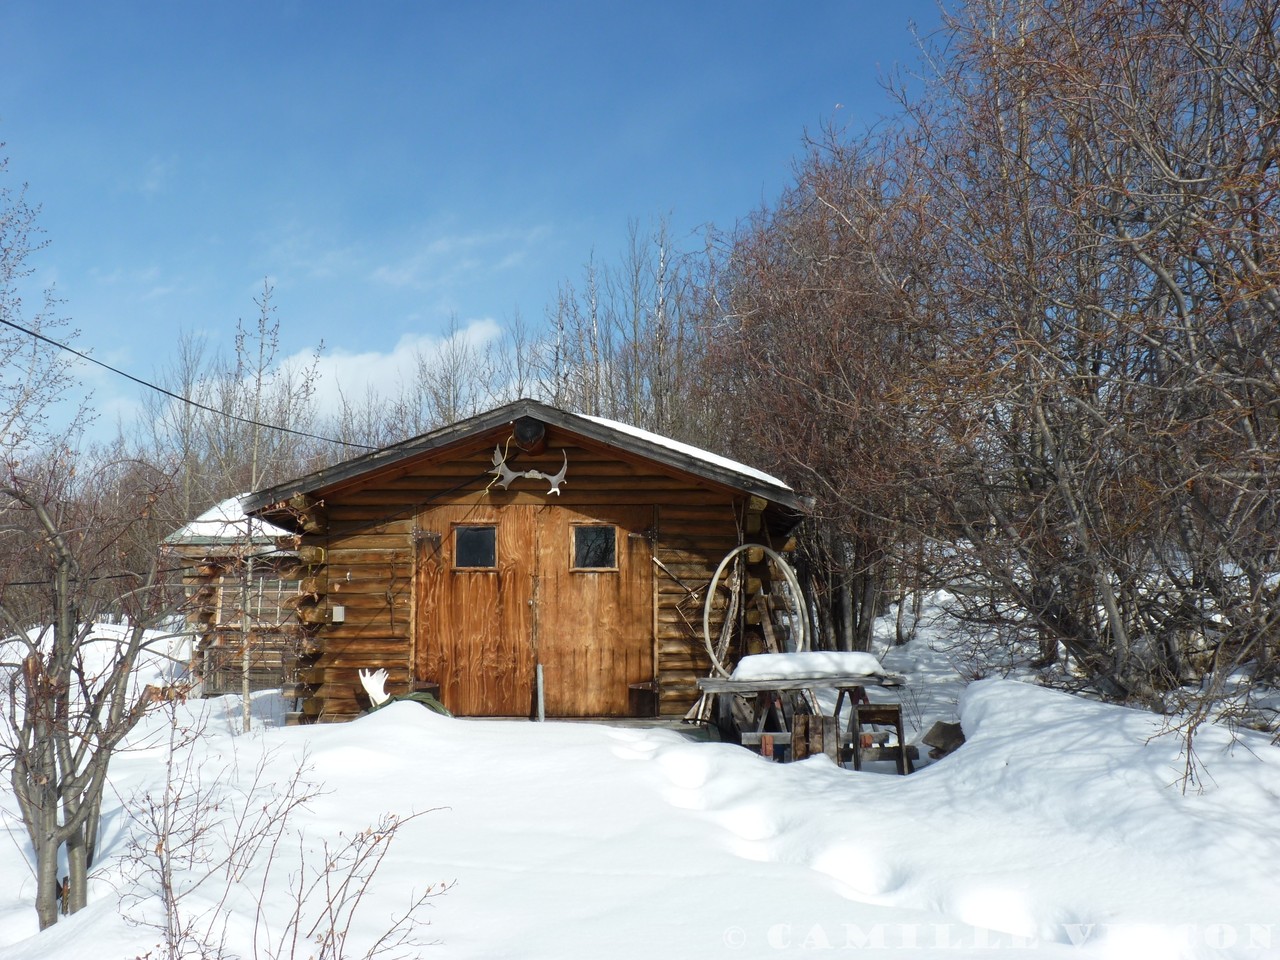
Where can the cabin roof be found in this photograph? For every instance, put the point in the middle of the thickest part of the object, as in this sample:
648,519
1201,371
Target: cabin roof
222,523
658,449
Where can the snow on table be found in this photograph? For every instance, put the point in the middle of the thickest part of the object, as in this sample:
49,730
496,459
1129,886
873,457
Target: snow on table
810,664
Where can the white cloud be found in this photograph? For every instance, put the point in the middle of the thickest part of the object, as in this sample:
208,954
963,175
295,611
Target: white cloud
357,374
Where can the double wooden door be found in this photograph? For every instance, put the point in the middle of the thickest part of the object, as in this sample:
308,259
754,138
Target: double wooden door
501,589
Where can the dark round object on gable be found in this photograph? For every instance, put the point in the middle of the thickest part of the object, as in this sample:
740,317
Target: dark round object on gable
530,434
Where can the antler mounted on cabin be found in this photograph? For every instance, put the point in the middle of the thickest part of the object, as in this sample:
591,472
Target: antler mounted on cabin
505,474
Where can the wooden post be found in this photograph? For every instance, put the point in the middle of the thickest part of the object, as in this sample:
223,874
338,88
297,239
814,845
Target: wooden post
542,712
812,734
800,736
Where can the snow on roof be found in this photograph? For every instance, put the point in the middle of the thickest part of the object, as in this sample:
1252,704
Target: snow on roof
224,523
697,453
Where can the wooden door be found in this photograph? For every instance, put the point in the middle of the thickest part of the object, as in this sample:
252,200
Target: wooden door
594,608
475,575
501,589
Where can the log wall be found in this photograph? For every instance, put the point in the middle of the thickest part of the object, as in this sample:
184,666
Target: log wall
365,537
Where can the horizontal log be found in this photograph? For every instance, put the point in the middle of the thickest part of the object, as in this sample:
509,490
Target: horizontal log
349,679
688,643
336,637
701,553
339,697
580,470
728,509
681,679
671,638
710,527
681,625
535,493
369,540
368,579
359,589
382,524
671,650
670,590
384,647
670,613
686,563
351,558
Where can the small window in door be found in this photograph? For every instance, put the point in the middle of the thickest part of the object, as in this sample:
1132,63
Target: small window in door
595,547
475,547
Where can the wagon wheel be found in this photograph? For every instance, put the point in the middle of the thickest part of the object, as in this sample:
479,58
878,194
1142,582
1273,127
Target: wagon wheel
734,577
718,652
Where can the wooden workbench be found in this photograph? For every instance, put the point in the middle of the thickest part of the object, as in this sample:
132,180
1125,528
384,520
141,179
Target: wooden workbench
773,704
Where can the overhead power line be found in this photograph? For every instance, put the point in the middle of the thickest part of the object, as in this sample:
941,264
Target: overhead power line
187,400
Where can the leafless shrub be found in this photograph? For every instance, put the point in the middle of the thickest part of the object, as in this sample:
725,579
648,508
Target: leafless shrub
207,858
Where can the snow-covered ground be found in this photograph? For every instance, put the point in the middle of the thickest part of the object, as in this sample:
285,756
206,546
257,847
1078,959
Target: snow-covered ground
1062,828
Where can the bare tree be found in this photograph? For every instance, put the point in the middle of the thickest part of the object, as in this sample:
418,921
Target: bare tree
812,345
626,344
1096,202
70,694
35,380
220,437
1034,322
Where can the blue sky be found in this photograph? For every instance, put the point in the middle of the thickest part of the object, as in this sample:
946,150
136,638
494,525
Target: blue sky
392,165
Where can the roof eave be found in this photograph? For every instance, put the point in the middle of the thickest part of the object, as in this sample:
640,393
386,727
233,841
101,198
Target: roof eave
397,453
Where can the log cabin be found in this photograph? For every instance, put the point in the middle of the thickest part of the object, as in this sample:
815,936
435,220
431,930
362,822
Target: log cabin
239,583
523,545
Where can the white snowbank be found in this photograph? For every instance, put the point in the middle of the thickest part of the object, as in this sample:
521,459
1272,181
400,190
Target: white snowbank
1060,829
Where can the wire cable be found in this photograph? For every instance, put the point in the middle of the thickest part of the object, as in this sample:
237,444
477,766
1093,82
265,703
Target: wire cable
187,400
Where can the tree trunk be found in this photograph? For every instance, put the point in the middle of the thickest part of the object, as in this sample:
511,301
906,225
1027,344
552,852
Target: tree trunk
47,880
77,894
870,609
845,607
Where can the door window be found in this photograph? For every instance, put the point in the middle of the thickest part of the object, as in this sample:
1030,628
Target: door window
595,547
475,547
